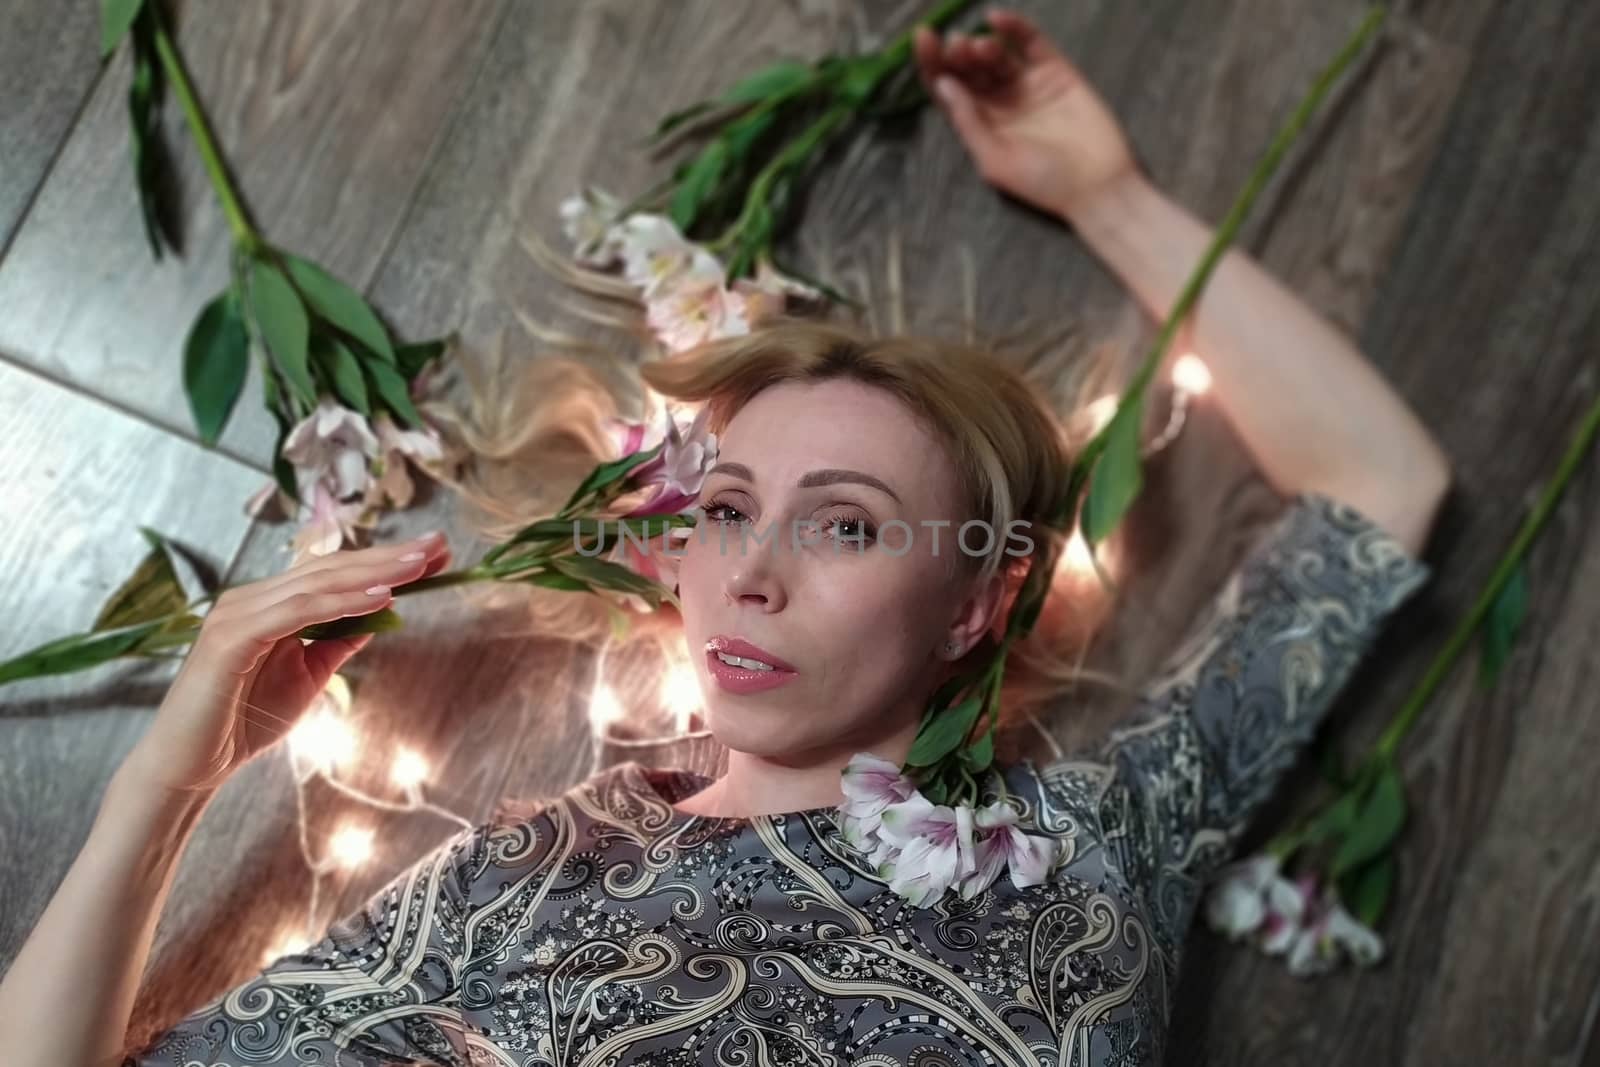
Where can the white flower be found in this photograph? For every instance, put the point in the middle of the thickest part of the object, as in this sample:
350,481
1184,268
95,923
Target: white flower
331,444
396,445
655,255
1237,903
936,847
590,223
1331,933
870,785
696,308
680,469
998,843
326,523
768,292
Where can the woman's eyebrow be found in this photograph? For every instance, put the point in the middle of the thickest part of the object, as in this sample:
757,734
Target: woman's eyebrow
826,476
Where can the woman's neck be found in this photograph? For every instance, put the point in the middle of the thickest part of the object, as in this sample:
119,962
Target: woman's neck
757,785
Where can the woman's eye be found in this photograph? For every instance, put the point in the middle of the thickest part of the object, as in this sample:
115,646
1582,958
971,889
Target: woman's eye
852,529
712,512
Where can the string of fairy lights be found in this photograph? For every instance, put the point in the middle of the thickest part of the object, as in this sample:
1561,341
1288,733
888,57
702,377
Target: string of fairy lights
327,740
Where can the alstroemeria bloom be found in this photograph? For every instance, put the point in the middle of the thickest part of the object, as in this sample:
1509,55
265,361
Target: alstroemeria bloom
998,843
589,221
1317,944
1289,907
333,443
768,293
696,308
326,523
1245,893
396,445
655,255
870,785
935,848
680,468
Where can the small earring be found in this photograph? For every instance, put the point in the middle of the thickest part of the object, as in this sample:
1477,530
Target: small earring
952,647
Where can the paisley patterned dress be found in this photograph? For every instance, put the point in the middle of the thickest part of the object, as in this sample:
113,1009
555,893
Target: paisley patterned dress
605,927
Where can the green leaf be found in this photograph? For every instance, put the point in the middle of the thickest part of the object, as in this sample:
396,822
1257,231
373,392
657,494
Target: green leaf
606,475
1370,887
980,753
374,622
216,359
939,737
1336,819
412,358
393,390
677,118
152,591
341,305
75,653
603,574
780,79
116,18
348,384
1116,479
1379,822
557,580
145,90
284,325
1330,762
1501,623
282,469
596,535
699,182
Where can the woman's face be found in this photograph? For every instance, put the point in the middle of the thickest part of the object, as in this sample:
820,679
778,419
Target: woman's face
860,613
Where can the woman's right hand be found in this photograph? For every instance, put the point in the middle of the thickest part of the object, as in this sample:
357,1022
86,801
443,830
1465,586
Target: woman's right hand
247,678
1030,120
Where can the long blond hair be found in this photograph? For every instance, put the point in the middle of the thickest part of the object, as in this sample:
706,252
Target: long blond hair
528,432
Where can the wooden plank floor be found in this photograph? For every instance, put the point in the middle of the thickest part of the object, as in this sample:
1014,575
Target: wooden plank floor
1444,211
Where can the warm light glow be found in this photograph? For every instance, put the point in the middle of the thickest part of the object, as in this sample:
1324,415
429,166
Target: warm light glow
1190,374
1075,558
680,692
351,845
324,739
287,944
409,769
1101,412
604,707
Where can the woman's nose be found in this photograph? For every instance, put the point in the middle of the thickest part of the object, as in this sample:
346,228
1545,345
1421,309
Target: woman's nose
754,579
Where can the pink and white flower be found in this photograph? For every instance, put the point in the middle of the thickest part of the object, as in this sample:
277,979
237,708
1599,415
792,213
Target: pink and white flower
396,445
1331,933
680,469
696,308
326,523
935,848
998,844
1245,894
870,786
590,223
655,256
335,444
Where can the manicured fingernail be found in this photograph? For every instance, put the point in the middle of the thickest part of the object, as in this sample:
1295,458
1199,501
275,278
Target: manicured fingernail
429,536
378,590
411,557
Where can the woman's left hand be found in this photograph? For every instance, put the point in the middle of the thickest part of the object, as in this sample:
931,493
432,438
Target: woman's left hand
1031,122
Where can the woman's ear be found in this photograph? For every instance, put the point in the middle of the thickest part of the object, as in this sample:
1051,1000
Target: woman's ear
980,613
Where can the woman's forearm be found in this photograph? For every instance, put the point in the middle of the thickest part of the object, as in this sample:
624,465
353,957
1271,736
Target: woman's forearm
68,995
1314,413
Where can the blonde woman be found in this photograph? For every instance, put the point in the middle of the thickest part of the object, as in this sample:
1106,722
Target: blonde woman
657,917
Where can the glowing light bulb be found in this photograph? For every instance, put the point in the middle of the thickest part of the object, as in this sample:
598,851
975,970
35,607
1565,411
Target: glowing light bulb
604,707
351,845
409,769
1100,412
287,943
324,739
1076,558
680,692
1190,374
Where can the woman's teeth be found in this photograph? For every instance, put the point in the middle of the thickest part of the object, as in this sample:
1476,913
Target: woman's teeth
748,664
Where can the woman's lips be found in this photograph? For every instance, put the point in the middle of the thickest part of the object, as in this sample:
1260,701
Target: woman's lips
744,679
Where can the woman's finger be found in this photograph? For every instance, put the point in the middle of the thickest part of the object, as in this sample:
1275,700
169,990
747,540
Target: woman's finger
1021,31
357,566
347,579
929,53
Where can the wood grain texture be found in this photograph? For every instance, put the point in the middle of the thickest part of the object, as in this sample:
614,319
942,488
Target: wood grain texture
328,114
1440,209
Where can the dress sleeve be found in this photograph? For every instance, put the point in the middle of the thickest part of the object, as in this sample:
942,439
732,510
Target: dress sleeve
1234,707
381,987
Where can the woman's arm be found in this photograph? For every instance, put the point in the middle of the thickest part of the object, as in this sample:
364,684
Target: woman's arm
1313,411
68,994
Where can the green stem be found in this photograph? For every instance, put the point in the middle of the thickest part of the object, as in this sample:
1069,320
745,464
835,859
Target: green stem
1466,630
238,221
